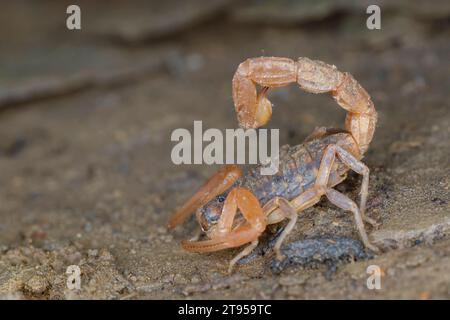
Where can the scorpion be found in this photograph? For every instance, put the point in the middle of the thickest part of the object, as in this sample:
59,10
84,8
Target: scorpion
234,209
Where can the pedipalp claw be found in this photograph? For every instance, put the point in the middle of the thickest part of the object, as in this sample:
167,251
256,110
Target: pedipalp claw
216,185
239,236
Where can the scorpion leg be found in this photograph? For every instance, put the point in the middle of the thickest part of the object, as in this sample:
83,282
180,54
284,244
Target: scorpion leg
279,208
337,198
360,168
216,185
223,236
343,202
290,212
247,250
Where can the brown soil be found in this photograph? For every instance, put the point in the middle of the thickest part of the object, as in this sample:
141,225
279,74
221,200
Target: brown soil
85,168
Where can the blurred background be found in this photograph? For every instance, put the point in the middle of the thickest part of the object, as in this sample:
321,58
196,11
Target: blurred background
86,116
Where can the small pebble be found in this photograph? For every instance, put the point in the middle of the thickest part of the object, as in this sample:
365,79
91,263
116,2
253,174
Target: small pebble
37,284
92,252
195,279
179,279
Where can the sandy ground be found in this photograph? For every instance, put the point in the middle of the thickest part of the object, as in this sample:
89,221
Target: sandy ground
85,169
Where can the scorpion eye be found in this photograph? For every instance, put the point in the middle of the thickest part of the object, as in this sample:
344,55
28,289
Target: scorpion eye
221,198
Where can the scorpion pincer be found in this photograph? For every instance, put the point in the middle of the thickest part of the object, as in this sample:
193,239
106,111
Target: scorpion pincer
307,171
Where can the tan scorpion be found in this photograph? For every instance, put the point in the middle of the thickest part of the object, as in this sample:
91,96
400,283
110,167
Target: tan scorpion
307,171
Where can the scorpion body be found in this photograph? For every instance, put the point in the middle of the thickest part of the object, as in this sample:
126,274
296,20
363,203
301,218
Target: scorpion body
298,167
234,208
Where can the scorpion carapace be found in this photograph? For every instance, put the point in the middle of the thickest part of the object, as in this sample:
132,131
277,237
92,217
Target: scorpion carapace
308,171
